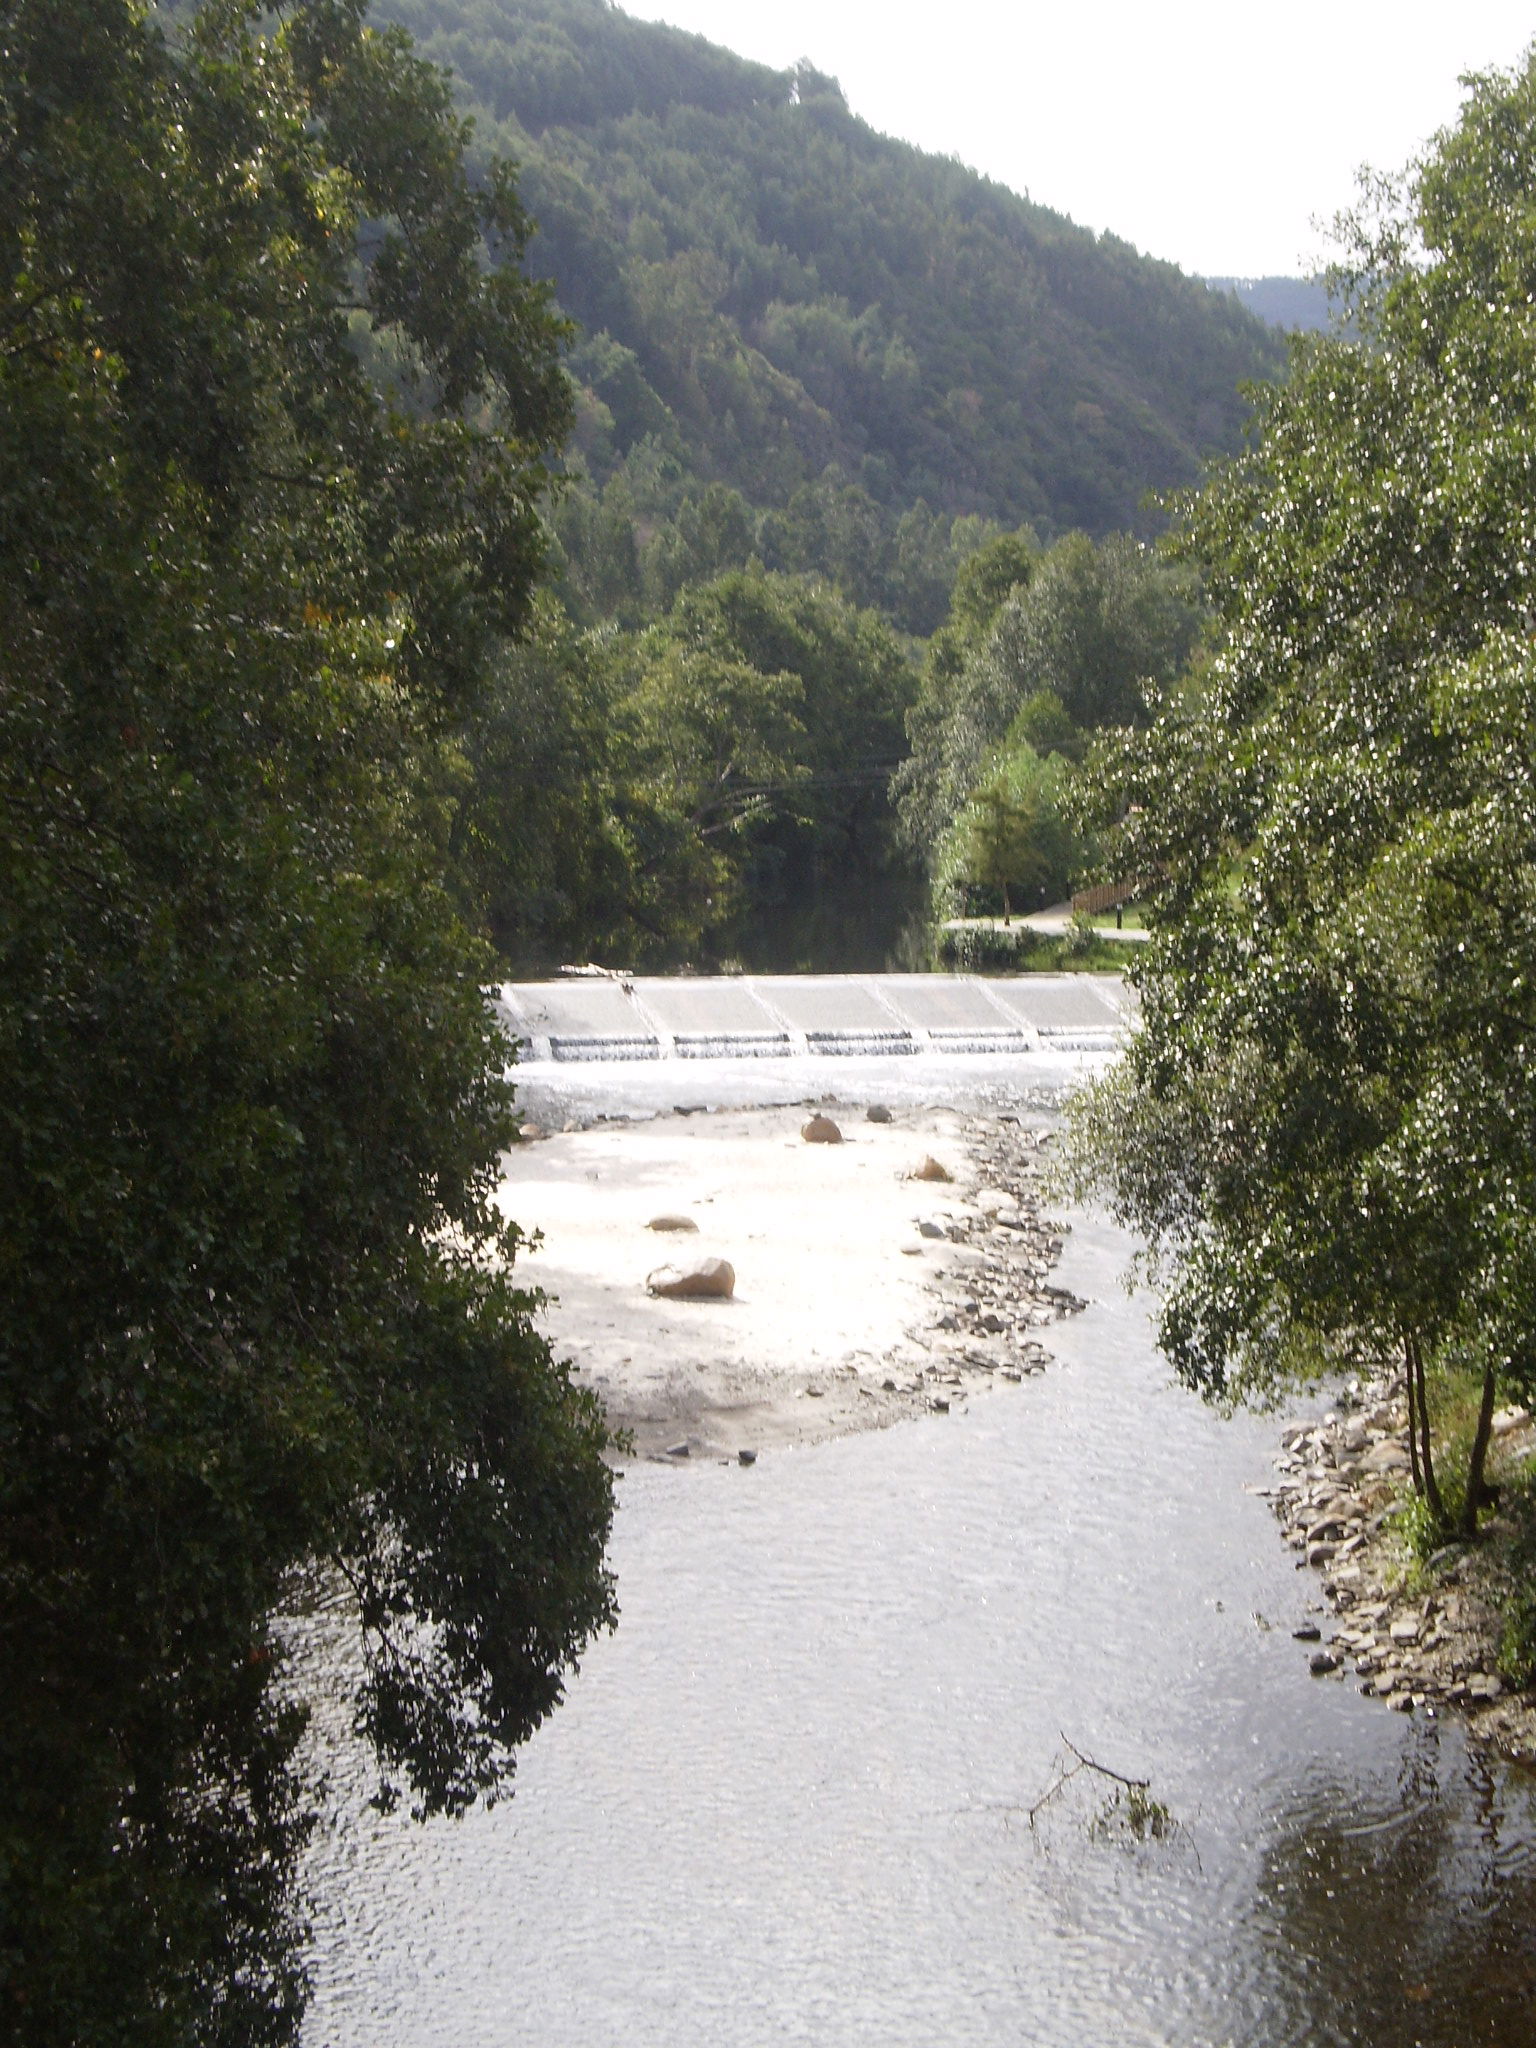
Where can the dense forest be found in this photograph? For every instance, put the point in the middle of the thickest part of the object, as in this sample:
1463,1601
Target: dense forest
808,341
816,373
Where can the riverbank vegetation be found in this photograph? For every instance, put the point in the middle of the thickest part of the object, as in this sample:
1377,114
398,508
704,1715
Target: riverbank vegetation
1325,1129
258,1320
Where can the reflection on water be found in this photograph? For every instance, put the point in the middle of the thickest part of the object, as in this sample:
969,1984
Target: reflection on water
786,1801
1415,1926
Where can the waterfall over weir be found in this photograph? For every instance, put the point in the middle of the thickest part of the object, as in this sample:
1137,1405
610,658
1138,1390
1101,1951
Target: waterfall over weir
752,1016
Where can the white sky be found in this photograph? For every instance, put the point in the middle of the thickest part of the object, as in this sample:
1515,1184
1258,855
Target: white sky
1213,135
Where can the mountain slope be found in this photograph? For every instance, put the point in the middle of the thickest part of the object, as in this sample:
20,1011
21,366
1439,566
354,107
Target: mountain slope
770,289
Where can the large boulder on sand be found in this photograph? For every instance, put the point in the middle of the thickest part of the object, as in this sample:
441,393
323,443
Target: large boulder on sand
821,1131
705,1280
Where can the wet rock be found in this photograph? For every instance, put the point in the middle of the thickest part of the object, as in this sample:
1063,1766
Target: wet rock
706,1280
679,1223
928,1168
821,1131
678,1451
928,1228
939,1405
1322,1662
877,1113
1320,1553
1309,1632
746,1457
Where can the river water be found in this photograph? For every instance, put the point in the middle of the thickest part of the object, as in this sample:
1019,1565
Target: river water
787,1801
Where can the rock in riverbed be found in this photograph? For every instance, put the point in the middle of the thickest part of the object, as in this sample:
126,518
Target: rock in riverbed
929,1168
821,1131
705,1280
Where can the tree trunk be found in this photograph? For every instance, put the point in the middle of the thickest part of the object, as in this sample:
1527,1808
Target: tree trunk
1413,1415
1426,1456
1479,1458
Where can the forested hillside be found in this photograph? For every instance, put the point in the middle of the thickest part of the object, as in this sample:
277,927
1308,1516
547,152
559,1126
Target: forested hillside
807,341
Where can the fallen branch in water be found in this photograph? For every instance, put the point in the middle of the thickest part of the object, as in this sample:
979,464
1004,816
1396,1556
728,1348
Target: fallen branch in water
1081,1762
1129,1813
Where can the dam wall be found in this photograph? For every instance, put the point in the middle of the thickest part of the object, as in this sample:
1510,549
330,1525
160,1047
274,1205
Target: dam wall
601,1016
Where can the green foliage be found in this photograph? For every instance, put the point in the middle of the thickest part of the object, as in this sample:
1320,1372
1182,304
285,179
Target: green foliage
1012,841
1019,949
785,300
710,787
256,1318
1324,1128
779,784
1043,722
1071,646
1517,1642
1517,1639
1130,1812
545,824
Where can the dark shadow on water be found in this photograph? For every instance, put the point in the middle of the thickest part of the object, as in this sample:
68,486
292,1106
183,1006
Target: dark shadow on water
1412,1925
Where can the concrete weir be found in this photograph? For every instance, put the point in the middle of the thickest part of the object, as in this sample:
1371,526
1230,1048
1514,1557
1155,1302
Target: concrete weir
601,1016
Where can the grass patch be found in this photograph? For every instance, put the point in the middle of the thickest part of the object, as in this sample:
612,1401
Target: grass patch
1133,918
984,949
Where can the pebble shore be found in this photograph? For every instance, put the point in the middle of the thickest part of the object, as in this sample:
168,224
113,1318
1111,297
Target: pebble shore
994,1290
1422,1641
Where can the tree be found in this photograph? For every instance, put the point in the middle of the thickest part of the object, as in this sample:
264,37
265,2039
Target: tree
1012,837
1090,625
1325,1128
545,832
828,884
257,1319
711,757
1097,623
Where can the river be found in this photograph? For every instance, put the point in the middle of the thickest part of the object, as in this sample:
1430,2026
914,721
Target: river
787,1801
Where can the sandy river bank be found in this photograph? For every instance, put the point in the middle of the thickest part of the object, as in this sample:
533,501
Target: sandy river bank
863,1295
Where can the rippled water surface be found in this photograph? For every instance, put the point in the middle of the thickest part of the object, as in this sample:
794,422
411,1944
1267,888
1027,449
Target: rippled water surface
787,1801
